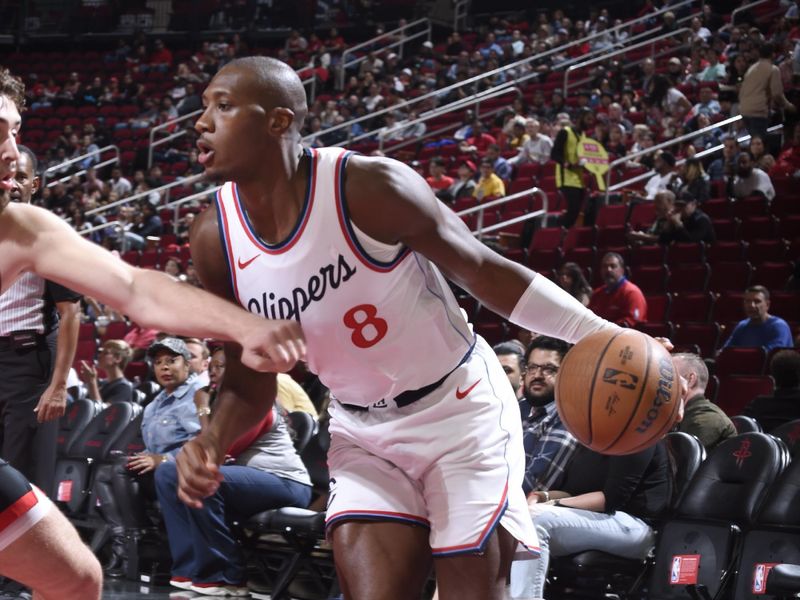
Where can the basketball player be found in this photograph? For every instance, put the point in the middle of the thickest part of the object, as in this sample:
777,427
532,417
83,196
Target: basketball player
426,456
38,546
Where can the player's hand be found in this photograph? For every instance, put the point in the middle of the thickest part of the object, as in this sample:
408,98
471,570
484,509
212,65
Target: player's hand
198,470
273,346
52,404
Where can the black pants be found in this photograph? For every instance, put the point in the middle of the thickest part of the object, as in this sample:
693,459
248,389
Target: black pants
123,495
574,198
28,446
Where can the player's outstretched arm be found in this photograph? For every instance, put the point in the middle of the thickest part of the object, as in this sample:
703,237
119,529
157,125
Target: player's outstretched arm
244,396
392,203
50,248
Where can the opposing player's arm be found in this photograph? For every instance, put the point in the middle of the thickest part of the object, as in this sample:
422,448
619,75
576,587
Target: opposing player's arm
245,395
392,203
152,298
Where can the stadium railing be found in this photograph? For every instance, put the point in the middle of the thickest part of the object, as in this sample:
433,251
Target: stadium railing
54,170
396,38
606,55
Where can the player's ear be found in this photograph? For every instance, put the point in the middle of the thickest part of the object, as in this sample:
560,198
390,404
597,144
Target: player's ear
281,120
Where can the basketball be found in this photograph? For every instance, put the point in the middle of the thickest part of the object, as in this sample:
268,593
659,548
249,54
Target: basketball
618,392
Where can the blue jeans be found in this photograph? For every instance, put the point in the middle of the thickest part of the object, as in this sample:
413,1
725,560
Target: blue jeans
201,543
564,531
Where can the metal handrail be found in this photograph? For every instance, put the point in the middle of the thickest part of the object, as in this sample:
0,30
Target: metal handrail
79,159
99,227
389,35
500,201
738,10
608,55
509,67
687,136
460,13
458,105
128,199
180,133
176,204
701,154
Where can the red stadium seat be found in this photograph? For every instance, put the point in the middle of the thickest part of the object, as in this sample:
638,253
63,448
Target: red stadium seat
579,237
115,330
686,253
733,276
658,307
685,278
87,331
666,329
740,361
705,335
691,307
650,279
773,275
613,215
736,391
766,250
642,215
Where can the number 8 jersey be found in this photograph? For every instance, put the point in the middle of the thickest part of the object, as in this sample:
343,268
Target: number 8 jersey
379,320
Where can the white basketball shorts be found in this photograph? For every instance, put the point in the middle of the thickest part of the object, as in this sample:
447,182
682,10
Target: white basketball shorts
452,461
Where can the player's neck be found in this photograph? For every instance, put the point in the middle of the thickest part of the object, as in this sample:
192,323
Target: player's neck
275,199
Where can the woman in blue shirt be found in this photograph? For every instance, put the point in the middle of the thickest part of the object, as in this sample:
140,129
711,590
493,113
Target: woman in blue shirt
169,421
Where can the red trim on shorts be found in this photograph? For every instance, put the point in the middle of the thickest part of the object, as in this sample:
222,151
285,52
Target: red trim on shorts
19,508
493,520
376,515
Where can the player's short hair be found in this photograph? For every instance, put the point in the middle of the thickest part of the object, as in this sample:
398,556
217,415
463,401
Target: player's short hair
696,364
544,342
12,88
121,350
31,156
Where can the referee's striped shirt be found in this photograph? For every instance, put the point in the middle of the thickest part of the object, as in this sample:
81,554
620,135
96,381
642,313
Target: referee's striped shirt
30,305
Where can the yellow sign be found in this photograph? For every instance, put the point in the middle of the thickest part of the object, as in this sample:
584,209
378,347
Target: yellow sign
594,158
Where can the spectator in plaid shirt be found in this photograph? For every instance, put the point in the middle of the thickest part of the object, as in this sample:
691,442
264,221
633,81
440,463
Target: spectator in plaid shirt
548,445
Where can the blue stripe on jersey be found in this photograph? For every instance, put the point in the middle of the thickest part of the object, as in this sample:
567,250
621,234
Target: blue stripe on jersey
224,239
351,234
471,343
301,220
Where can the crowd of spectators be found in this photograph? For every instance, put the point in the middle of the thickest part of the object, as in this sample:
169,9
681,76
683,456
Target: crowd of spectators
658,100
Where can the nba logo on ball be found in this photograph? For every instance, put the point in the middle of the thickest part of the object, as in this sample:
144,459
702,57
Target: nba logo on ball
617,391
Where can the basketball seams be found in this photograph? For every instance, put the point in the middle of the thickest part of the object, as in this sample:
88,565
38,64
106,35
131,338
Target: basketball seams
645,379
594,381
664,428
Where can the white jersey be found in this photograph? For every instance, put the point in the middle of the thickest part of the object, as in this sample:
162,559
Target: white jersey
374,328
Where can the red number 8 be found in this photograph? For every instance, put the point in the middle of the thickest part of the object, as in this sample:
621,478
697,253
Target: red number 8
368,314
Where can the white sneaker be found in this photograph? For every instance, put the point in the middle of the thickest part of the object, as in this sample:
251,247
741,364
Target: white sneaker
220,589
183,583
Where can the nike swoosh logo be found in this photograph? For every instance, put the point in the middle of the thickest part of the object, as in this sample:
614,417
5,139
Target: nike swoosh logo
461,395
245,264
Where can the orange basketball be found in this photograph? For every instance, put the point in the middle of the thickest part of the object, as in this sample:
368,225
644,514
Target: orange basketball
617,391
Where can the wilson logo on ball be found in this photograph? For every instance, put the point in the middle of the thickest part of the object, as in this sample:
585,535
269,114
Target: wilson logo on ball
666,378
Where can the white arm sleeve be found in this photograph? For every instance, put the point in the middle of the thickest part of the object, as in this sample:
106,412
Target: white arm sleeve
546,308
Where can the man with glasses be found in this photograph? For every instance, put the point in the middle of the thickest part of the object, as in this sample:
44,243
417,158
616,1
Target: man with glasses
548,445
